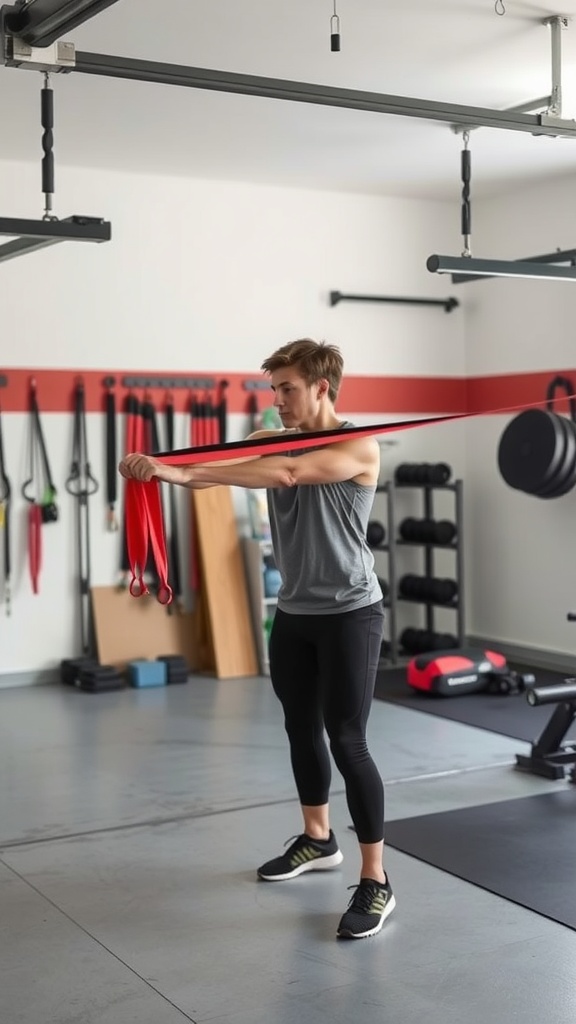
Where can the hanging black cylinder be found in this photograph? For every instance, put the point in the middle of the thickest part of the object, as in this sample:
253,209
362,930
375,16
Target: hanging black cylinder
335,32
47,116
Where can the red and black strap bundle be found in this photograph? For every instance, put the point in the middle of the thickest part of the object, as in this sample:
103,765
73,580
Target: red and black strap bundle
38,490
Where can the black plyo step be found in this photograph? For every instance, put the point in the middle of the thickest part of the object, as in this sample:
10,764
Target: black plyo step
100,679
177,670
70,669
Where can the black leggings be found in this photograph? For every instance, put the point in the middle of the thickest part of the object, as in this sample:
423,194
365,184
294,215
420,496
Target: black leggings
323,670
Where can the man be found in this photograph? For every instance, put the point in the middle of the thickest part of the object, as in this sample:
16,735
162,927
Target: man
327,631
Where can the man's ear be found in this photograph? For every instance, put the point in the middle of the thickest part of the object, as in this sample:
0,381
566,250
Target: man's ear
323,387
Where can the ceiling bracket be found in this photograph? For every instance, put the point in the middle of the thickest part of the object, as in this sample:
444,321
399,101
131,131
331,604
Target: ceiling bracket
58,57
551,105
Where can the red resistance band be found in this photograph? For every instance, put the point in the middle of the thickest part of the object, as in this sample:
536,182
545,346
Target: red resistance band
143,509
144,521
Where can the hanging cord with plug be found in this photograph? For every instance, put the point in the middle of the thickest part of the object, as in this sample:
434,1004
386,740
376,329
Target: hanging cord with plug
335,31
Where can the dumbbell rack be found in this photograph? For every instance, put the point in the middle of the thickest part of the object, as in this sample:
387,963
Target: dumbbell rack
429,549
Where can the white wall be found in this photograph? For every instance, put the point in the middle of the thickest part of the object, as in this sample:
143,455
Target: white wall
203,276
522,549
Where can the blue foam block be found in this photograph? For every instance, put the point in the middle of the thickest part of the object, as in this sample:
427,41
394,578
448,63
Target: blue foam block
147,673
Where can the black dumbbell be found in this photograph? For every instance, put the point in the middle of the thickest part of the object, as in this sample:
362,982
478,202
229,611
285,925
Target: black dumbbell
444,532
408,585
409,640
439,473
441,590
408,528
375,533
444,641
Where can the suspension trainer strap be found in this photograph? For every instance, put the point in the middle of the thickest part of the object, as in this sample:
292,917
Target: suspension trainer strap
111,459
81,484
5,499
44,509
173,545
48,502
132,443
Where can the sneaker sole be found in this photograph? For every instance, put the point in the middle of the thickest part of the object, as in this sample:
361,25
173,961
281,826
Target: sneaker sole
373,931
321,864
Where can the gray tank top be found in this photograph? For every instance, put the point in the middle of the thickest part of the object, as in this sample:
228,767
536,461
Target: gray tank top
319,541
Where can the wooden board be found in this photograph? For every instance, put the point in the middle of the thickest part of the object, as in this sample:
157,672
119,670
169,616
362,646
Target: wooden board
128,628
224,587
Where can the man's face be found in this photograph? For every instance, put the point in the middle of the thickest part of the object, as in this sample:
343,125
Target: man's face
296,401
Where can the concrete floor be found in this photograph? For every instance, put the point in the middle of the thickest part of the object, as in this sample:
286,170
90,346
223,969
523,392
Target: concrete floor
130,827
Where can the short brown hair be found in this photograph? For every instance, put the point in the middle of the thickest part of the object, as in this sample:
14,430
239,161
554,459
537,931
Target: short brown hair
314,361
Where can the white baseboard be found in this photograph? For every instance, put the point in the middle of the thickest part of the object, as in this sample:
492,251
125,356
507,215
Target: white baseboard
8,680
534,657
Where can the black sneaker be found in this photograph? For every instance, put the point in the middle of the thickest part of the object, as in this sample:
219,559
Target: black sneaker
368,909
305,854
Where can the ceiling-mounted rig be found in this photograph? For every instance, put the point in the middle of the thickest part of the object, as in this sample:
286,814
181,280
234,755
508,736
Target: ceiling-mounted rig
30,235
557,266
29,25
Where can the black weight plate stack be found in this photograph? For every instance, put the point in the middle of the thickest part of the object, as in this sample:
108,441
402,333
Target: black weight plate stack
536,454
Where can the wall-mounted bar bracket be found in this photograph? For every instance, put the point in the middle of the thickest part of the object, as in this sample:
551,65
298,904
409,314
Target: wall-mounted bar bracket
170,383
447,304
256,385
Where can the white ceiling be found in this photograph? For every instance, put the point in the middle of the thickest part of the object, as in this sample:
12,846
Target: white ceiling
456,51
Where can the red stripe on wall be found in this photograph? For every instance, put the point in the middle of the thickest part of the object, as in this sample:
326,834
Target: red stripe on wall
359,394
515,389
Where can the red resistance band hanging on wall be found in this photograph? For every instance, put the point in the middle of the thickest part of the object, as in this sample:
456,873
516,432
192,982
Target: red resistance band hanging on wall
143,511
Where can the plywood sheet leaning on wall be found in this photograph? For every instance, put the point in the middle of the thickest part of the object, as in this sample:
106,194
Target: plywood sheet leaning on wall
129,628
223,584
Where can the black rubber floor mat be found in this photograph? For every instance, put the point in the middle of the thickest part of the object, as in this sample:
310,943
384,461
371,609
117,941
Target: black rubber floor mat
522,850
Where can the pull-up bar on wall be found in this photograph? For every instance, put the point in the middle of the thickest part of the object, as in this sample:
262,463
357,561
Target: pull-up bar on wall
447,304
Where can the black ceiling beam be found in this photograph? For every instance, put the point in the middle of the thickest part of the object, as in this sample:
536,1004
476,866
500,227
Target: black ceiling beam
133,69
560,256
458,265
42,22
32,235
